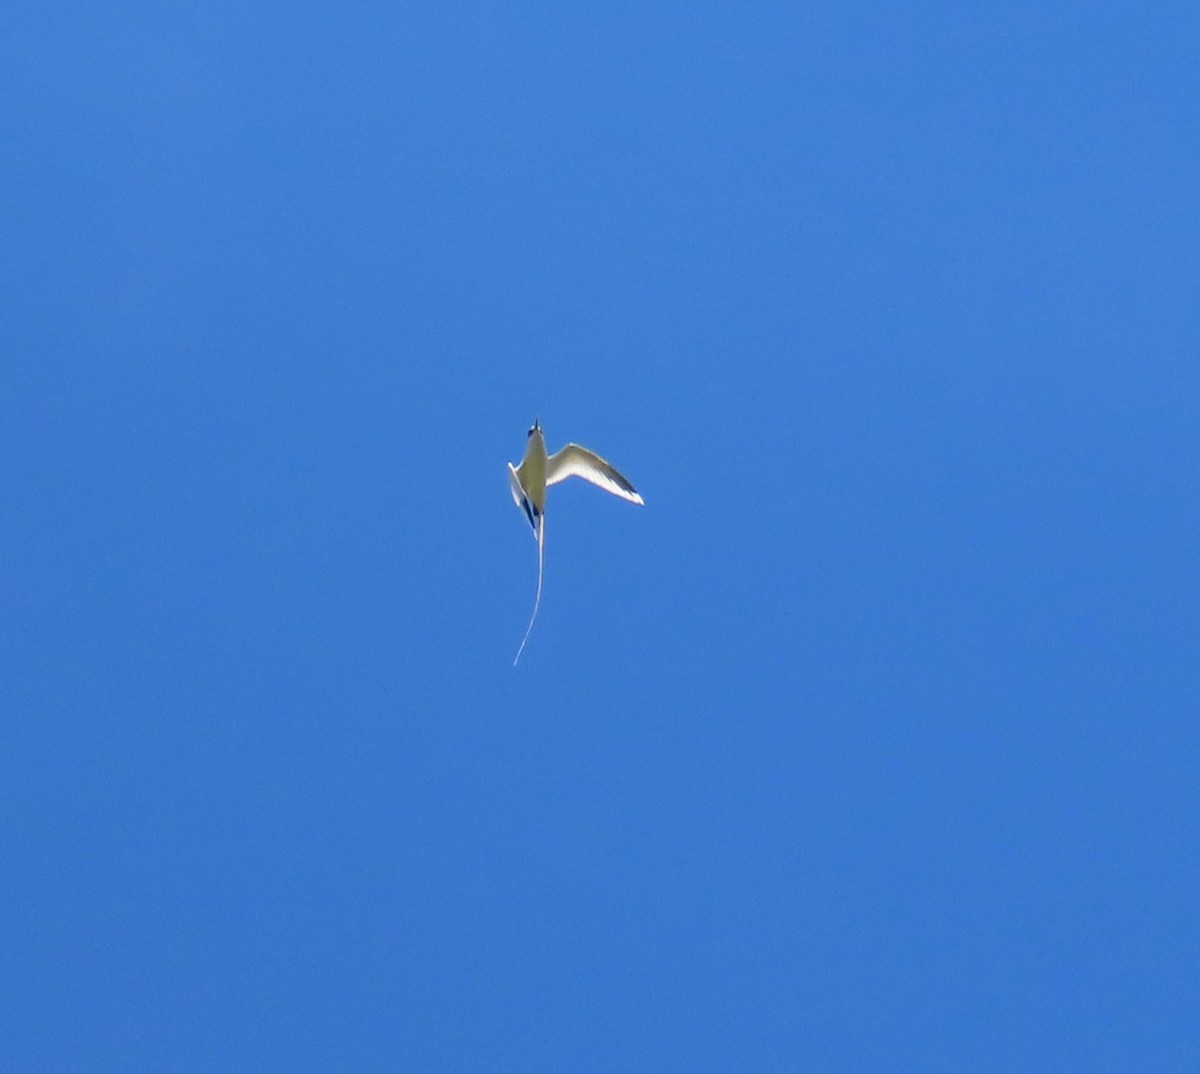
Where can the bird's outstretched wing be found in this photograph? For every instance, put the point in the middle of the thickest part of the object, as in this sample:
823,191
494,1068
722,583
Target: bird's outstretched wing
519,497
576,461
514,484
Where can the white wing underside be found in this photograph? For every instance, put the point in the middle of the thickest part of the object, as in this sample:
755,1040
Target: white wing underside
576,461
514,485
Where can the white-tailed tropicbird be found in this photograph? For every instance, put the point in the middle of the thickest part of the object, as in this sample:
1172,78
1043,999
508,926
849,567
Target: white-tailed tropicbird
537,471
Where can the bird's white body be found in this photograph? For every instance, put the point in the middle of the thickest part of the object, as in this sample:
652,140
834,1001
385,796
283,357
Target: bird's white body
538,471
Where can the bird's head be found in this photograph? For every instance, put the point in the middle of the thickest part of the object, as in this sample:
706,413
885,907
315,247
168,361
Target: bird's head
534,428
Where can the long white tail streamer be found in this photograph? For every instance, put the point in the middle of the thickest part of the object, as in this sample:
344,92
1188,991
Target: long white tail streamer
537,600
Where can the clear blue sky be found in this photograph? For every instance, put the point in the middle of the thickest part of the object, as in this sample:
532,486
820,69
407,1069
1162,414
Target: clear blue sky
869,743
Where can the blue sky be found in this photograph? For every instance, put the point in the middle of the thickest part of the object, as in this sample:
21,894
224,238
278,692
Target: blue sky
869,743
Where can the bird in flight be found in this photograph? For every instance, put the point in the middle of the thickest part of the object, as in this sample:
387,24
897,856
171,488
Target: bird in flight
537,472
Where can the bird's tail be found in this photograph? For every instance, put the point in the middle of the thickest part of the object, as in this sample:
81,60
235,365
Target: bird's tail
537,600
